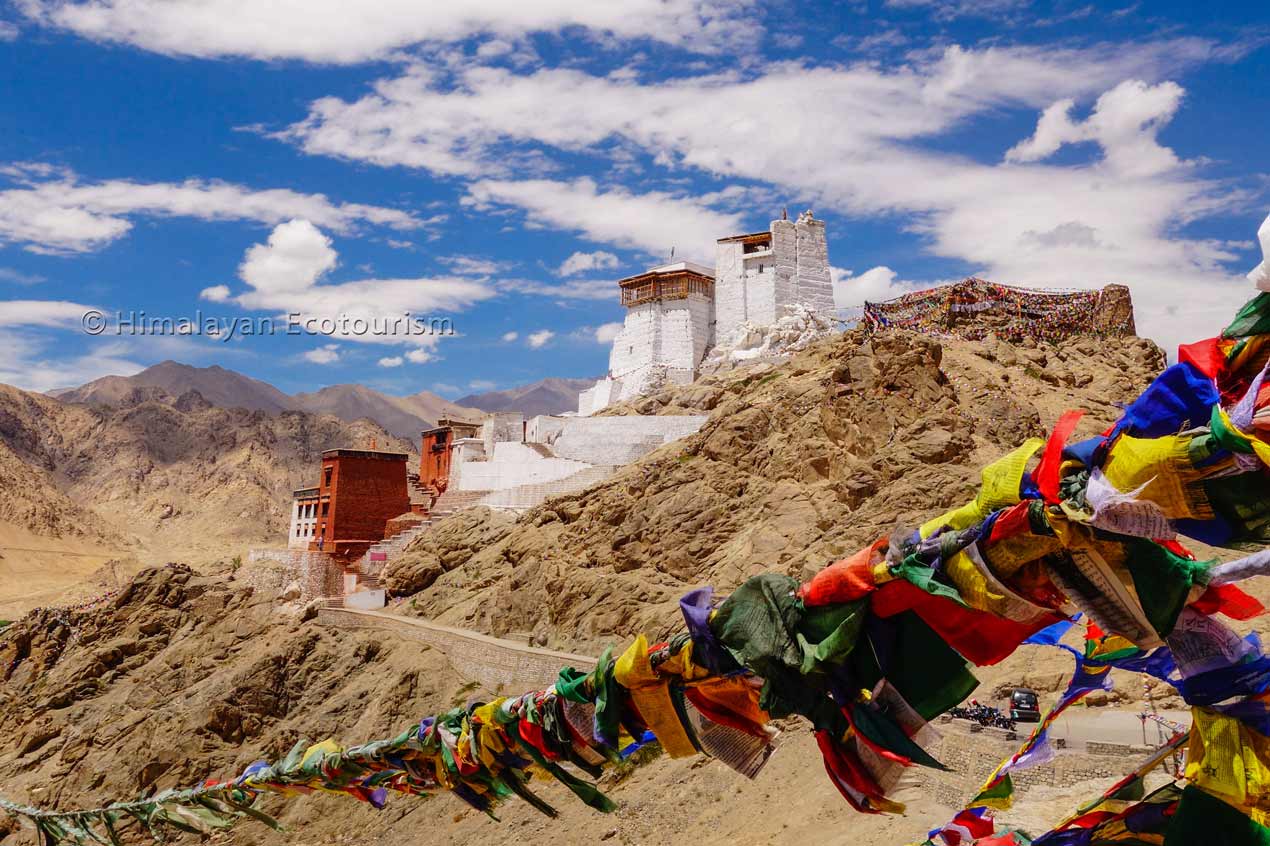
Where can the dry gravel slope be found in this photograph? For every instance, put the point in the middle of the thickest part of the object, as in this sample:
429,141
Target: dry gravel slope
797,465
186,676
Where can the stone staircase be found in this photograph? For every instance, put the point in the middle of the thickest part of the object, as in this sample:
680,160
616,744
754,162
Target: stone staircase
448,503
419,495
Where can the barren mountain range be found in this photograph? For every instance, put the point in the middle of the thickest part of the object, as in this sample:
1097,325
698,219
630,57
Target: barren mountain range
404,416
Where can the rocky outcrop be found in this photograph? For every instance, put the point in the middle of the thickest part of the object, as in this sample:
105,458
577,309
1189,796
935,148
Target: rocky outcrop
797,465
798,329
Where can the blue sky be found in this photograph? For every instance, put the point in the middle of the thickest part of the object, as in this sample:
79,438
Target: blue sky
503,163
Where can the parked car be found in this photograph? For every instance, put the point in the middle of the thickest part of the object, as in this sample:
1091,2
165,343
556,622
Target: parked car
1023,705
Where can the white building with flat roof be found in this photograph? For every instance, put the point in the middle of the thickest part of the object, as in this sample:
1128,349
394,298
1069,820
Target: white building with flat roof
767,291
669,312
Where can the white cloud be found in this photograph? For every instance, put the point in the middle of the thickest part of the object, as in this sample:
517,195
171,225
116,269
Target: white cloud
8,32
285,275
17,277
539,339
583,262
296,254
792,116
446,388
862,140
215,294
49,313
1124,123
335,31
873,285
482,385
469,266
391,361
655,221
508,337
606,332
419,356
948,9
25,362
53,212
326,354
570,289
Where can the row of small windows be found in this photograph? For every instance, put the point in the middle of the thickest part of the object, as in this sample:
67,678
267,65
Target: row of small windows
309,511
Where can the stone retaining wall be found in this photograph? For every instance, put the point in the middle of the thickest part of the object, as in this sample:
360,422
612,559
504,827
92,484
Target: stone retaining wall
315,574
972,755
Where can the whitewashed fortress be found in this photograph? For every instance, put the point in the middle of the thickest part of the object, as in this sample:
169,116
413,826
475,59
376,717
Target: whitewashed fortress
769,293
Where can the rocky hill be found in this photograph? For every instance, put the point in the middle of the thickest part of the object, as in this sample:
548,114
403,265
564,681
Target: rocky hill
151,478
184,677
404,417
797,465
220,387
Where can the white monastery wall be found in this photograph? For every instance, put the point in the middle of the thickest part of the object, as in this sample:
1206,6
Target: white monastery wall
619,440
729,288
785,260
815,285
502,426
512,465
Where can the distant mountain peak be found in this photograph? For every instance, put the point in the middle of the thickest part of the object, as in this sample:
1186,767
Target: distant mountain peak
553,395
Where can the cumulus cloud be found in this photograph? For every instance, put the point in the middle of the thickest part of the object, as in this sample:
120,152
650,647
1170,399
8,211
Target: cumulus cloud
479,120
539,339
1124,122
334,31
508,337
392,361
286,273
326,354
419,356
654,221
873,285
51,211
291,262
215,294
606,332
583,262
863,140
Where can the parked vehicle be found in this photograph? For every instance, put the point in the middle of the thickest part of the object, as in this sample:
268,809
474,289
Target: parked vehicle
1023,705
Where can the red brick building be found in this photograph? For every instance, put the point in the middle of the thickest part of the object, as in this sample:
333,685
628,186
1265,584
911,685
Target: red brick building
434,461
359,491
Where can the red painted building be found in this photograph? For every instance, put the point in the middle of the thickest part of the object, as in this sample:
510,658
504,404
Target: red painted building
434,461
358,493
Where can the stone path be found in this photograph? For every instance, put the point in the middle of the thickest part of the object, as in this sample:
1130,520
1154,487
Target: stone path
503,666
